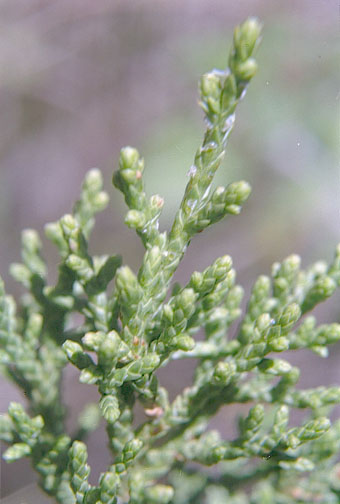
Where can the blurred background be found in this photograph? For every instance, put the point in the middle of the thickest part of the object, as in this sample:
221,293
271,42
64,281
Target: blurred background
82,78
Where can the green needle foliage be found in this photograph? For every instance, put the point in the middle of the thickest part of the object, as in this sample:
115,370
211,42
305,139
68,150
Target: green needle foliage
142,323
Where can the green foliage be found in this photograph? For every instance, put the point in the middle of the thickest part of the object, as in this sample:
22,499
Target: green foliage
142,323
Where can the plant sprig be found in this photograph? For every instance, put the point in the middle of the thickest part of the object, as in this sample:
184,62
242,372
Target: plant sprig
143,322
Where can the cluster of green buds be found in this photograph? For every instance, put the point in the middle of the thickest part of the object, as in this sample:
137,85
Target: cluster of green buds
143,323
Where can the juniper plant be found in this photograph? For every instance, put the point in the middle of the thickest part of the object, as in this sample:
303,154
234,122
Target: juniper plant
144,322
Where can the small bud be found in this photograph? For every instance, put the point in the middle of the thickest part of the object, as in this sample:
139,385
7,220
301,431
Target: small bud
263,323
322,289
300,464
54,233
207,154
186,298
131,449
279,344
156,201
31,240
213,105
289,317
108,349
93,180
276,367
92,340
293,441
321,424
210,85
241,190
183,342
108,484
331,395
168,313
76,355
16,452
34,326
154,259
261,287
68,224
293,376
109,407
321,351
90,375
20,273
100,201
6,429
78,458
233,209
150,362
129,176
222,265
218,195
281,418
65,302
135,219
229,92
328,334
254,419
245,71
128,158
246,36
159,494
196,280
223,372
77,263
127,285
234,196
71,348
120,468
292,263
319,268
